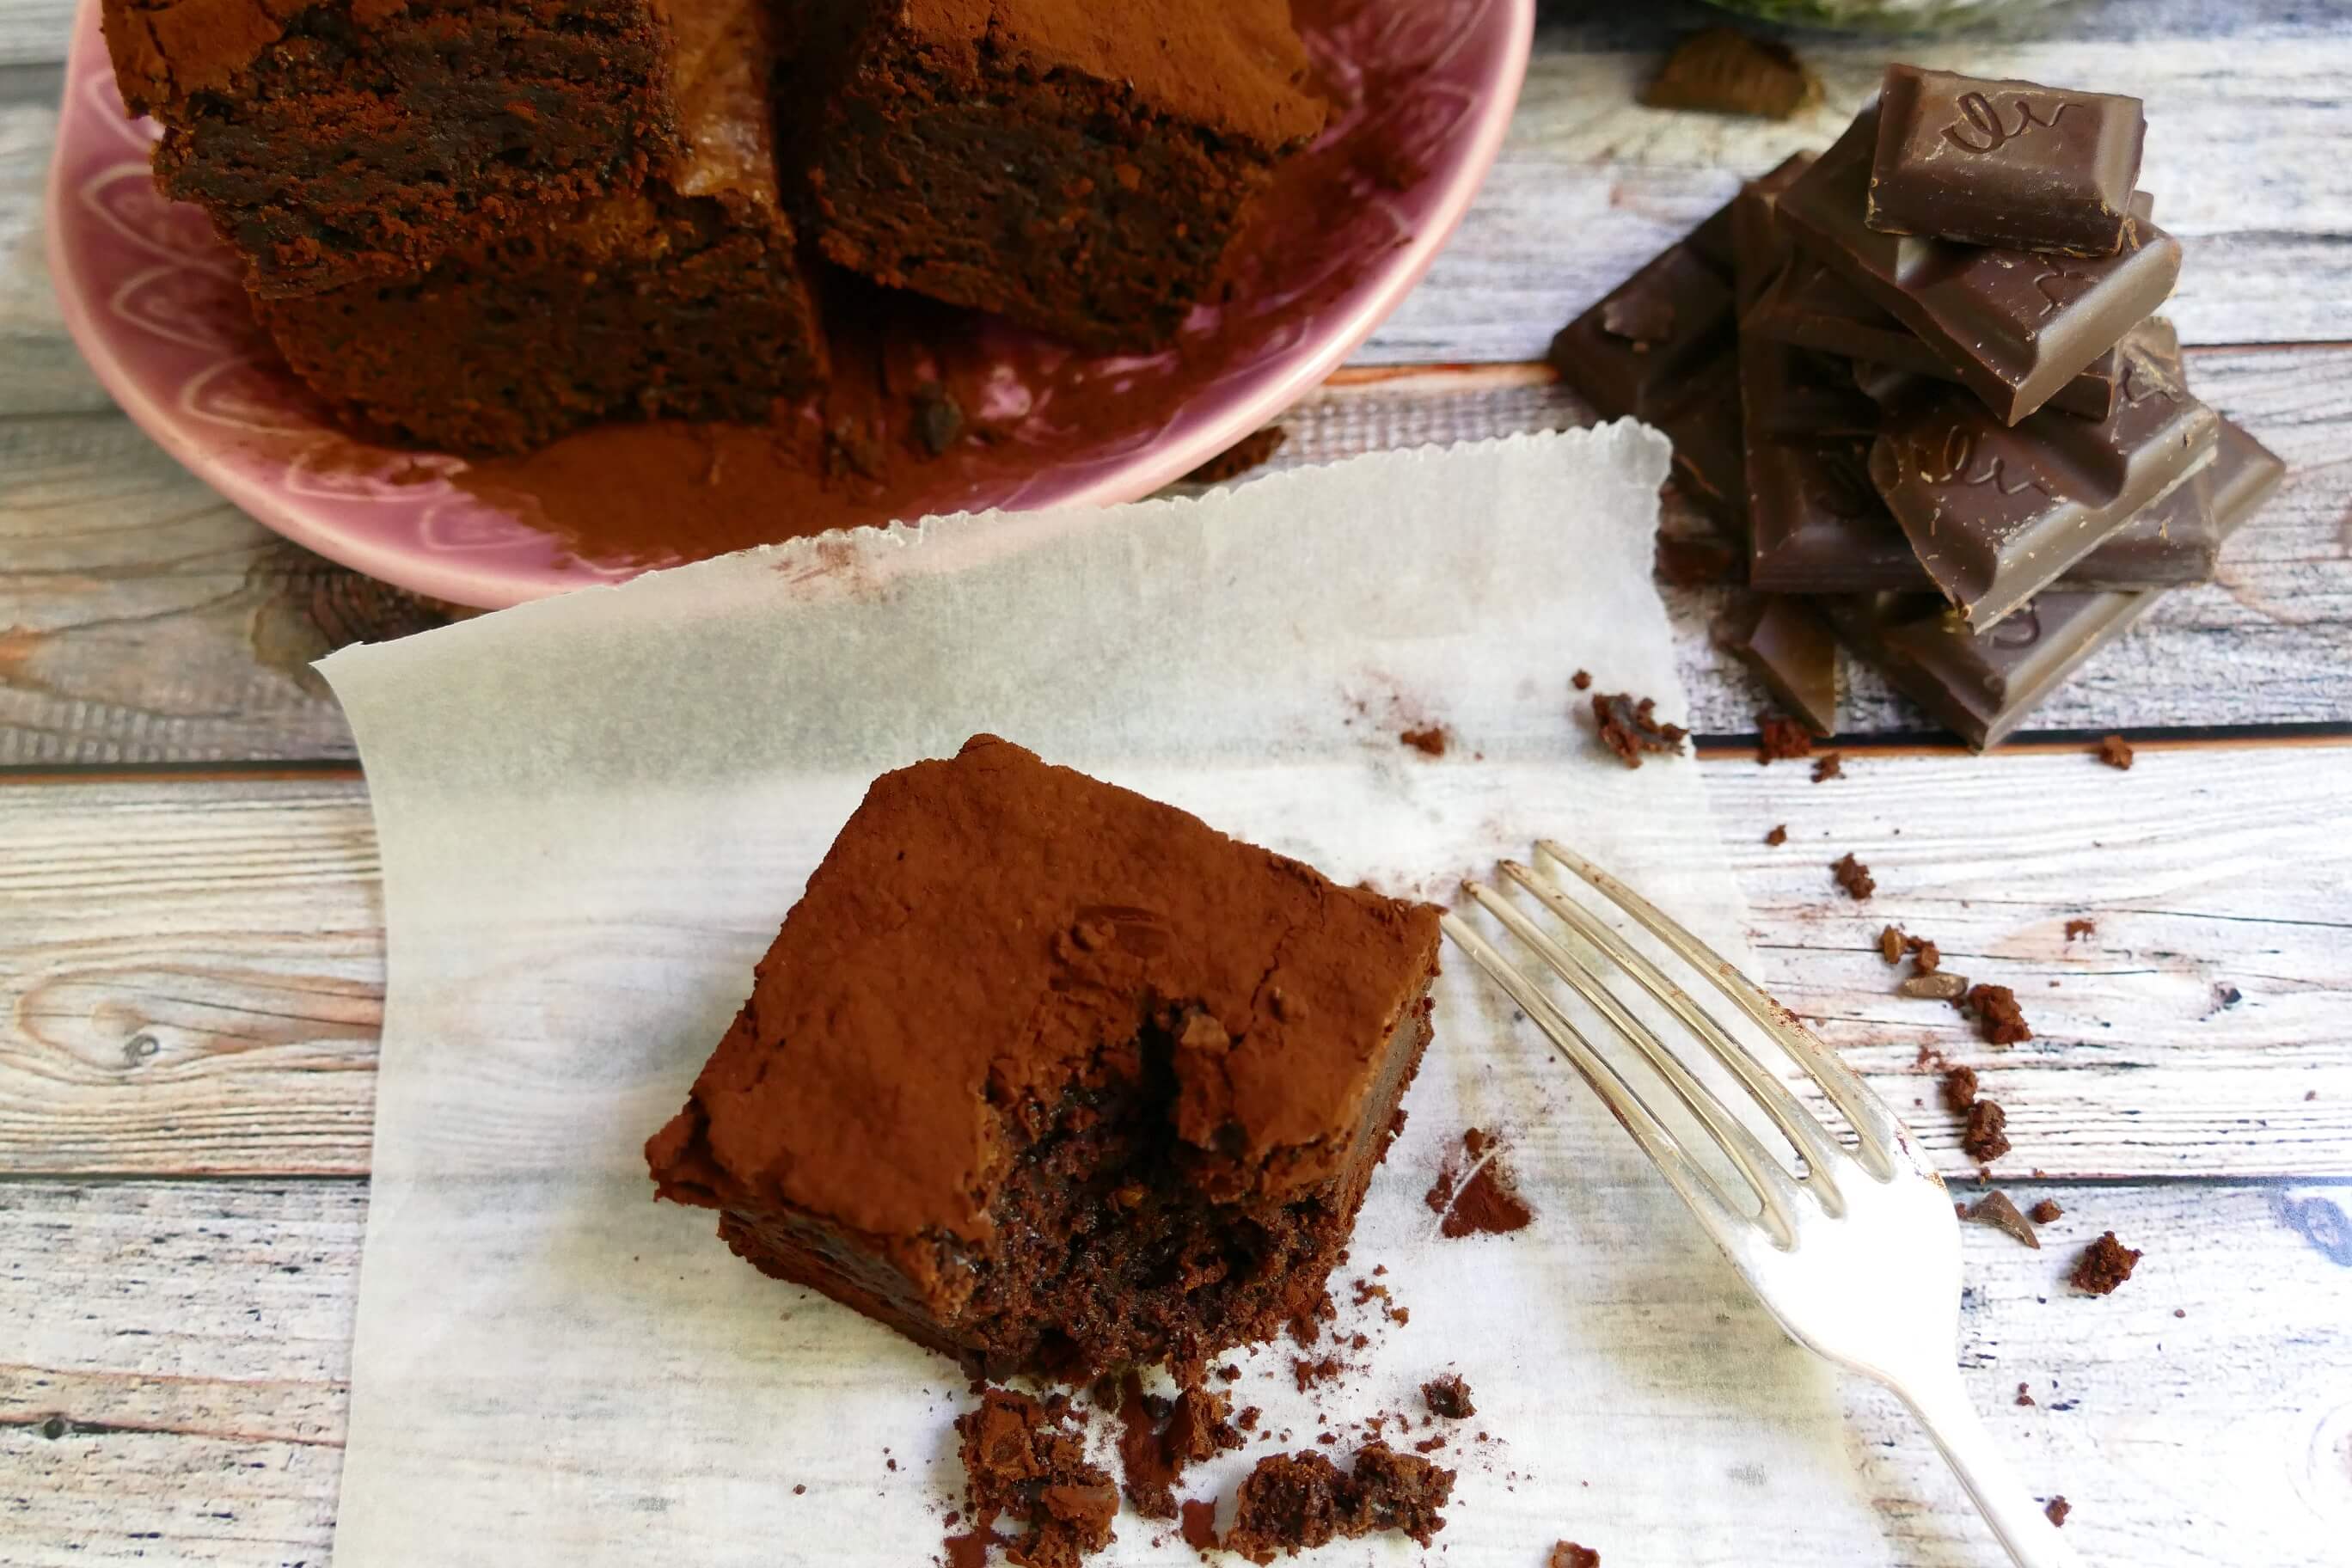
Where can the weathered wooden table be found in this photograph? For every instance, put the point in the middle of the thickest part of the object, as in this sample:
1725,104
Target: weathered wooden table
191,964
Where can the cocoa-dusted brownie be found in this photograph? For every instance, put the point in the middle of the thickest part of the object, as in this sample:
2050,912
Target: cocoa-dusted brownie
1050,1076
1075,166
682,297
334,140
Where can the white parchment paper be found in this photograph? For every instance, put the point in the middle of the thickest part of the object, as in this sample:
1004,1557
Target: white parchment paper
595,811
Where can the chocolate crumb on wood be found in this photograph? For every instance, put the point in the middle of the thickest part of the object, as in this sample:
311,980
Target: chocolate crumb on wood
1290,1502
2105,1264
2023,1398
2045,1211
1853,877
1959,1089
2079,928
1984,1138
1891,943
1430,740
2116,752
1631,726
1581,680
1829,765
2057,1509
1999,1019
1251,451
1723,70
1938,986
1780,739
1568,1554
1027,1457
1996,1210
1778,837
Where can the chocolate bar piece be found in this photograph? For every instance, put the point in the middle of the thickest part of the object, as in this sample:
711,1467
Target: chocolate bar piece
2015,326
1792,651
1812,307
2172,541
1997,514
1983,684
2004,163
1662,348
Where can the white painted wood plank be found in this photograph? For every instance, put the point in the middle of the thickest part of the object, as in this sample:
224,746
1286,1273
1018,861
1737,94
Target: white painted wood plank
191,972
35,31
142,619
198,1401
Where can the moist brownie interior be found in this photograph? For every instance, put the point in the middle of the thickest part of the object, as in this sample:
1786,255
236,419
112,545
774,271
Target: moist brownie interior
1053,1077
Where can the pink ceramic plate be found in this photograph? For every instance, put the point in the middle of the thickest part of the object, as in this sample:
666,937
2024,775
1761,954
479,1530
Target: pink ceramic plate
1424,91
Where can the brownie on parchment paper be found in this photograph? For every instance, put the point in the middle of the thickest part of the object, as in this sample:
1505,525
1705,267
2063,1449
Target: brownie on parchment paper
1051,1077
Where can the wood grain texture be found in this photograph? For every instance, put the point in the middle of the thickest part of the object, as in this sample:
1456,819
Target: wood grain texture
144,620
195,1415
191,973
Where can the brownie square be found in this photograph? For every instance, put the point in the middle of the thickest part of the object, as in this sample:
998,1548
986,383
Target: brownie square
1077,167
336,139
1053,1077
684,297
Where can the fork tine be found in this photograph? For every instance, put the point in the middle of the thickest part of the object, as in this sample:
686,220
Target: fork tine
1799,1125
1708,1201
1772,1183
1881,1132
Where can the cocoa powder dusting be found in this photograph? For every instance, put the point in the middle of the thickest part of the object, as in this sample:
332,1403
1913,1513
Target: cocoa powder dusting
1474,1193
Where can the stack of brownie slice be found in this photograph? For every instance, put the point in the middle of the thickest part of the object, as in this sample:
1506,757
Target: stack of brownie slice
1919,378
478,224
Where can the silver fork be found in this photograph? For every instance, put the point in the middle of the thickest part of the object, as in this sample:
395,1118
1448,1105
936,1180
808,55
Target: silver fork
1858,1255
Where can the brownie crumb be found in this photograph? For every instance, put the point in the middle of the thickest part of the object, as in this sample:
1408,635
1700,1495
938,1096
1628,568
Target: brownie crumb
1890,944
2057,1509
1430,741
1723,70
1984,1138
1996,1210
1247,1420
1581,680
2023,1397
1199,1523
1933,987
1475,1194
1568,1554
2116,753
2105,1264
1308,1373
1998,1018
1159,1438
2081,928
1448,1398
1249,452
1289,1502
1829,765
2045,1211
1781,740
1926,956
1959,1089
1629,727
1027,1457
1778,837
1853,877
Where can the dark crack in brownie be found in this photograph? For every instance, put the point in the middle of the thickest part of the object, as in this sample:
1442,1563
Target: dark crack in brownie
335,139
1053,1077
682,297
1079,168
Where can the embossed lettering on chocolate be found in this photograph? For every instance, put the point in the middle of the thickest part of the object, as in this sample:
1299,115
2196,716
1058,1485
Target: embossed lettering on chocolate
2004,163
2016,327
1049,1077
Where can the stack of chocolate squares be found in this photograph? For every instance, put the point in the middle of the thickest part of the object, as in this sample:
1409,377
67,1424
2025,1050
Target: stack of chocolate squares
1918,377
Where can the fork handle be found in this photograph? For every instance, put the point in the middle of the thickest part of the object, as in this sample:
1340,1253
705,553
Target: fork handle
1941,1402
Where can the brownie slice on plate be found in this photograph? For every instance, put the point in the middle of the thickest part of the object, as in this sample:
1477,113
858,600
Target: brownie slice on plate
681,297
1077,167
1050,1076
331,140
